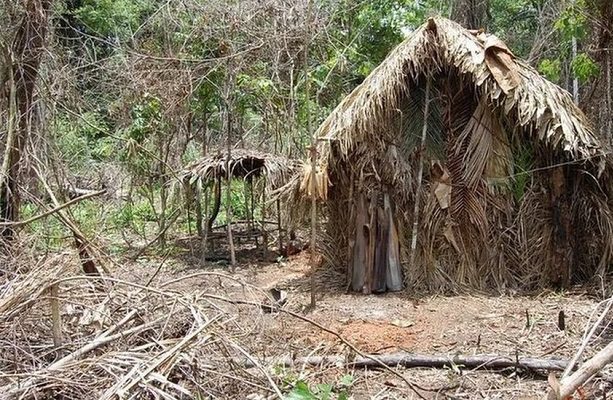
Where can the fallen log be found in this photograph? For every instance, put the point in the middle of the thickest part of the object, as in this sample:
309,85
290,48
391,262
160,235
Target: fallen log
410,360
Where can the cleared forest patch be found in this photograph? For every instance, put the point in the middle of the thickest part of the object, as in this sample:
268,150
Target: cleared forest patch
169,330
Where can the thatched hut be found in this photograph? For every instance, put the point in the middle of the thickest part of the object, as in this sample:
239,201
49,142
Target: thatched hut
459,166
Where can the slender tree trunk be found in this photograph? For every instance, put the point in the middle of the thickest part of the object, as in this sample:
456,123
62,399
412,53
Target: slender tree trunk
264,230
420,171
575,80
228,104
26,54
313,155
216,204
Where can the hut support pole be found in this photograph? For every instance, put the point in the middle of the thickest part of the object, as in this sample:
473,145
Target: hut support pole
198,209
228,125
313,222
229,216
252,211
313,162
420,172
264,231
205,229
279,227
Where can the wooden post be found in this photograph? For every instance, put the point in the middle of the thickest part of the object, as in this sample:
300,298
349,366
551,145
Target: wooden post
264,231
189,199
198,209
313,151
56,318
279,227
313,224
206,228
229,217
252,214
228,119
420,172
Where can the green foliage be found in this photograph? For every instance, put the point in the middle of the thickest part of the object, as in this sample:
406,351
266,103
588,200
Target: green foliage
135,215
116,18
142,136
323,391
515,22
50,233
551,69
584,68
573,21
81,140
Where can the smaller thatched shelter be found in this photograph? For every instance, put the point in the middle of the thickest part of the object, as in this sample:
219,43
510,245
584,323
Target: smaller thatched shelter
459,166
249,166
243,164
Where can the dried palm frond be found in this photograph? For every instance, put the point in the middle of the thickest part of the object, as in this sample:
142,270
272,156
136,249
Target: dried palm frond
536,104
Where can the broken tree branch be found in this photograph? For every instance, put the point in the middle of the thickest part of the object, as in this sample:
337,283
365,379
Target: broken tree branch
53,210
570,384
410,360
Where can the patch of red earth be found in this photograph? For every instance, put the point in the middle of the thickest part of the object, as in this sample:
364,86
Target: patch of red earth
369,336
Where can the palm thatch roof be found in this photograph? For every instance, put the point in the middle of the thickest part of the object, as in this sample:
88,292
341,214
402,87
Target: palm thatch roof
243,164
534,103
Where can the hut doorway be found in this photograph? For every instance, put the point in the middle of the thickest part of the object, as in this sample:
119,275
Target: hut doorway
375,255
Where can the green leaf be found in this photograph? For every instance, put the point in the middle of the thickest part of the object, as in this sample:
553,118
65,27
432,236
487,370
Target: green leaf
347,380
325,391
584,68
301,391
551,69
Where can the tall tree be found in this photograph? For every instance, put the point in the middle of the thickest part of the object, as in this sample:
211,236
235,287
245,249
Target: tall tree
23,58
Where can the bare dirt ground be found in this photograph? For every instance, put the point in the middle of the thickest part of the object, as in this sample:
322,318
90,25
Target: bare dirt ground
513,326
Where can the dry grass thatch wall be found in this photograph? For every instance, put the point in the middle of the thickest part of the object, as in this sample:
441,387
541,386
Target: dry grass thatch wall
516,189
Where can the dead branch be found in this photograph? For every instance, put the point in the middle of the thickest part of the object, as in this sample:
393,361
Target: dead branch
413,386
410,360
53,210
570,384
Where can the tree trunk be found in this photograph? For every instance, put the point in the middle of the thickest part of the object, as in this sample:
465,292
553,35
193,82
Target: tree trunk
471,14
596,98
228,119
26,51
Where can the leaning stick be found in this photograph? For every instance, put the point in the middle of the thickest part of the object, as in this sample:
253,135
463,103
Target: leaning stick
569,385
588,336
53,210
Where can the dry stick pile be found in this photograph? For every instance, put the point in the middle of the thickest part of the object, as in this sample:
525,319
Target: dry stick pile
117,338
120,338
